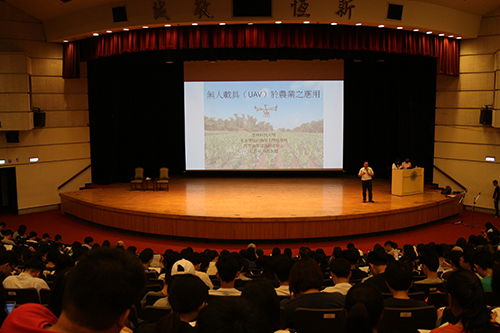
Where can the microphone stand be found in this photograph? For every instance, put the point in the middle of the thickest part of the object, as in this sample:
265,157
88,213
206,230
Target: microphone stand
472,225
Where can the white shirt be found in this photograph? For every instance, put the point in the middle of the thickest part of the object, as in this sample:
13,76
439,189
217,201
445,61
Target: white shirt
24,281
366,174
212,269
205,278
405,165
283,291
342,288
225,292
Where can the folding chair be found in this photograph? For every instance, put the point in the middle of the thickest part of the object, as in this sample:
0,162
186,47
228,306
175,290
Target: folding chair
408,320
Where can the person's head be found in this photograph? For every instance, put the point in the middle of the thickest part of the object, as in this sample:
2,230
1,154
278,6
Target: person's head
282,268
102,288
276,251
63,262
378,261
231,315
337,252
45,237
364,305
7,234
262,295
57,238
106,243
389,246
340,268
483,263
399,276
120,245
2,225
146,256
430,261
8,260
21,230
495,182
305,275
33,267
467,301
32,235
227,268
352,255
288,252
365,164
88,240
52,255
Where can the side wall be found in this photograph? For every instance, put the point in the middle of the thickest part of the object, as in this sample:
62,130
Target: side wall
63,145
461,142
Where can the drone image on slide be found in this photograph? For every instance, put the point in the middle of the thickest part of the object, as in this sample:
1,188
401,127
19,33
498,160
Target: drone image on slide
265,110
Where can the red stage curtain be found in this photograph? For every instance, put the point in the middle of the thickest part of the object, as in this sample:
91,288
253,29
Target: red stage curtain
346,38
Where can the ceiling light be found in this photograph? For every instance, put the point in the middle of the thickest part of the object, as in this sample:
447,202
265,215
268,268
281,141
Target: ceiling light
399,28
415,30
358,24
429,32
168,25
381,25
95,34
333,23
65,41
126,29
250,23
459,37
194,23
278,22
109,31
441,35
306,22
451,36
145,27
222,23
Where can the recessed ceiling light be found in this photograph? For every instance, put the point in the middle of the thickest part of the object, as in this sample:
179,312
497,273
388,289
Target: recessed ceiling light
222,23
451,36
278,22
333,23
95,34
399,28
441,35
65,41
358,24
126,29
415,30
306,22
250,23
109,31
168,25
459,37
429,32
381,25
145,27
194,23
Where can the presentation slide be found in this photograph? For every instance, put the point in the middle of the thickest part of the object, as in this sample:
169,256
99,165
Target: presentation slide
264,125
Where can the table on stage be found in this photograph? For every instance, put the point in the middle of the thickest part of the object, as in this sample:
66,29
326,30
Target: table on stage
407,181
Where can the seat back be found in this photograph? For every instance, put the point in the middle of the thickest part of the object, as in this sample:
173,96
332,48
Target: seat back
163,173
22,296
45,296
319,320
139,173
491,299
439,300
408,320
428,288
155,313
151,299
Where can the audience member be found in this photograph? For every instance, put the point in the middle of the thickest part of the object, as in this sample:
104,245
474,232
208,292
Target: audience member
306,279
262,295
430,264
45,239
483,264
227,272
29,278
146,257
7,238
99,293
364,306
378,261
340,270
399,278
197,260
352,255
187,296
283,267
88,242
20,233
467,303
8,260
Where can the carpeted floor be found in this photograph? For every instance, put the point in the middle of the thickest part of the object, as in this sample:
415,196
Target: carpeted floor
72,229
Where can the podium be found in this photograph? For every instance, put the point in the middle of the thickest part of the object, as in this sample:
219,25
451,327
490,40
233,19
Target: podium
407,181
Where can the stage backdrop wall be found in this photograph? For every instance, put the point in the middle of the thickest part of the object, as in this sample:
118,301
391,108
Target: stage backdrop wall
136,110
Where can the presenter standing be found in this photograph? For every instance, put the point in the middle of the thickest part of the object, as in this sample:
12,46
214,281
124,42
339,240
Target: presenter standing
406,164
366,174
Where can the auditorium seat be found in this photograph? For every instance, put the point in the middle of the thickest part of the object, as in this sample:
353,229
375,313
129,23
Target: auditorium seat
138,179
163,179
428,288
319,320
408,320
22,296
151,299
439,300
153,314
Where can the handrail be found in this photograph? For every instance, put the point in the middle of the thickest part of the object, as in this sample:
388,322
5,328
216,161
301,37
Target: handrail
76,175
451,178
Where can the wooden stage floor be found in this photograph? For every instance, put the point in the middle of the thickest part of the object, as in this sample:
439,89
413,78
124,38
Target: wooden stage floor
258,208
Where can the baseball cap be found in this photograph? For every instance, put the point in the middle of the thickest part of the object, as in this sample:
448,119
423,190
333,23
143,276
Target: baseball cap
183,266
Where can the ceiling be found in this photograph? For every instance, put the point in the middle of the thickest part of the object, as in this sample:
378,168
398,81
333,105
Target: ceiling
45,10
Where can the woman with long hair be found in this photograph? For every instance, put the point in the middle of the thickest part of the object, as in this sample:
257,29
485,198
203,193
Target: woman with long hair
364,305
468,305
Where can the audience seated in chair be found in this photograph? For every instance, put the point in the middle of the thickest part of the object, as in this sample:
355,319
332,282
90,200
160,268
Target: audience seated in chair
227,272
305,281
282,270
262,295
483,264
29,278
197,261
340,270
430,264
352,255
467,303
378,261
8,260
188,296
399,279
179,268
364,306
99,293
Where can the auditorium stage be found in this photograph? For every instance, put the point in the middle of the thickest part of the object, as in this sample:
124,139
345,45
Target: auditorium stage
258,208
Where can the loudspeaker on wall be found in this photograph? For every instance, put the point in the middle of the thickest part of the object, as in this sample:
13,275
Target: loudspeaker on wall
119,14
39,119
12,136
485,117
394,12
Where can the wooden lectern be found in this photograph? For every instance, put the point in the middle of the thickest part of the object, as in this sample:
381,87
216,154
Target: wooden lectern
407,182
